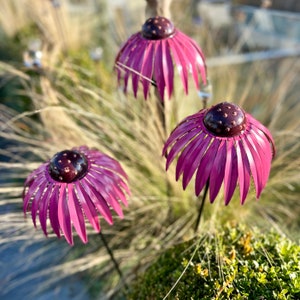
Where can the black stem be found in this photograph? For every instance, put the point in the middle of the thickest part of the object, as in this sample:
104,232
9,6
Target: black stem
201,206
112,257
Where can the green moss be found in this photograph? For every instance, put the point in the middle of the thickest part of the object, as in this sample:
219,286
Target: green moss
236,263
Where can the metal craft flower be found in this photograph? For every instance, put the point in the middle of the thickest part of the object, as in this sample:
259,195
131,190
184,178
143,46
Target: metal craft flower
148,57
75,185
222,144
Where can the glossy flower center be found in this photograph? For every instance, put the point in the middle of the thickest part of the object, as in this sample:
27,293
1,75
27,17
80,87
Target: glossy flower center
157,28
68,166
225,120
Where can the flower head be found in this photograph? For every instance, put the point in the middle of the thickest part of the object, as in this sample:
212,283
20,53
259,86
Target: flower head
148,57
75,184
222,144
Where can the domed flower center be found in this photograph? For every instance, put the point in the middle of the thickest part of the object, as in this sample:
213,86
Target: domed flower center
68,166
157,28
225,120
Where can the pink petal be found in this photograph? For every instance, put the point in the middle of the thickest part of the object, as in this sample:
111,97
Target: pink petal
39,196
179,145
98,200
244,171
191,55
205,166
104,187
147,68
34,187
64,214
53,210
87,205
168,68
231,171
181,62
76,214
158,70
256,165
183,128
217,171
190,158
44,206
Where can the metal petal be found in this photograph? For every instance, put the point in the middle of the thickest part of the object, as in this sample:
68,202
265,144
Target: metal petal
168,68
44,207
64,217
158,70
98,200
147,68
244,171
53,210
205,166
105,188
76,214
181,62
87,205
189,161
231,171
217,172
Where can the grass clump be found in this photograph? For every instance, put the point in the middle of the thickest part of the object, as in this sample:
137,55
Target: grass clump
233,263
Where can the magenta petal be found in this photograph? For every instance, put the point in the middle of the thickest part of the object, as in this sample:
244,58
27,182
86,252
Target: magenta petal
179,145
31,191
76,214
147,68
136,66
189,165
64,217
44,207
98,200
88,207
158,70
205,166
192,55
104,187
243,171
264,131
217,171
265,153
180,61
231,171
168,68
39,196
53,210
256,165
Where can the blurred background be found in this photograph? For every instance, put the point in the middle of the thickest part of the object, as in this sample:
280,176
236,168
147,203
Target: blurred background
58,89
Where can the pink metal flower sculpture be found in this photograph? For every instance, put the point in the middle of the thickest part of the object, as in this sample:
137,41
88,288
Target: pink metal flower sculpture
75,184
222,144
148,57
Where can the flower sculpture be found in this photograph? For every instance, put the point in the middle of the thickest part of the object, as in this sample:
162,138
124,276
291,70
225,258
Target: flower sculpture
75,184
222,144
148,57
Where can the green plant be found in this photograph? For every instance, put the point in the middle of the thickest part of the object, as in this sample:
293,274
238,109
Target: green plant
232,263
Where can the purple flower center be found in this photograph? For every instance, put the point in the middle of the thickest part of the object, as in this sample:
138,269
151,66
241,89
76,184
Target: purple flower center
68,166
157,28
225,120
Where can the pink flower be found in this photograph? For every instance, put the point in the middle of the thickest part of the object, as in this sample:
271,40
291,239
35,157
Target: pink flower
75,185
222,144
148,57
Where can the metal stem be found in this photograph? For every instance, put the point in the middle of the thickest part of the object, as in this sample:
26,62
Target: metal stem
112,257
201,206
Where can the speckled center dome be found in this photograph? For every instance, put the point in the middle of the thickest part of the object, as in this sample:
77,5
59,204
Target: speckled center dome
68,166
225,120
157,28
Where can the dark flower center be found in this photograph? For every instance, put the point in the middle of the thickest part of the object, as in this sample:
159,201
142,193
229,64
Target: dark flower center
225,120
68,166
157,28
